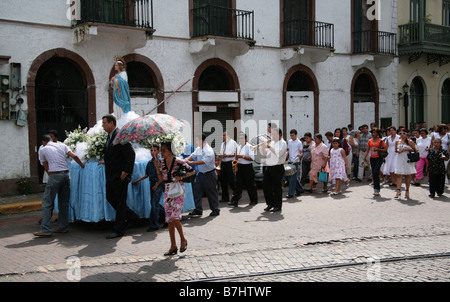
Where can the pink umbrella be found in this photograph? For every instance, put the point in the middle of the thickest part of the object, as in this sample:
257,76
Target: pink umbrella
148,126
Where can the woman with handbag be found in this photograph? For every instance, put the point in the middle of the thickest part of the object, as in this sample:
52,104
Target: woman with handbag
174,194
404,166
319,163
436,158
378,151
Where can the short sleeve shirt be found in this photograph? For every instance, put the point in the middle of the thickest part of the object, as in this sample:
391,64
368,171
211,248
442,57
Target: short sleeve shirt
371,144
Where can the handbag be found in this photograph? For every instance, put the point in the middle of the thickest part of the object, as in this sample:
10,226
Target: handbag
175,190
322,176
382,154
413,157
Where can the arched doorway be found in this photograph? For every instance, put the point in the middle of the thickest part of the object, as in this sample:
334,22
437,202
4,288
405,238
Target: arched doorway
445,107
416,103
61,99
216,97
364,98
61,96
300,101
145,81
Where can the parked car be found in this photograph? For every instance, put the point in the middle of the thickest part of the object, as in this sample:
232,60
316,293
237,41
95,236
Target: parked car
259,174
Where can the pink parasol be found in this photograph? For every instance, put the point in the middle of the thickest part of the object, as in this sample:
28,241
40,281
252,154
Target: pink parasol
148,126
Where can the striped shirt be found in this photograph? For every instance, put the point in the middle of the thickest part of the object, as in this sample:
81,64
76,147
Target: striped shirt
55,155
363,139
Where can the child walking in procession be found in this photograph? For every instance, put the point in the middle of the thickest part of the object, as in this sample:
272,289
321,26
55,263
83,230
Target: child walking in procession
338,165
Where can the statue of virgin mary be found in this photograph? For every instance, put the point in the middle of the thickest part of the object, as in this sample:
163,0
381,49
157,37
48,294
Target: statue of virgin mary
121,90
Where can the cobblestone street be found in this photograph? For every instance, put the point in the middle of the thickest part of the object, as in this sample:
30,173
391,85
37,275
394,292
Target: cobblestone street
353,237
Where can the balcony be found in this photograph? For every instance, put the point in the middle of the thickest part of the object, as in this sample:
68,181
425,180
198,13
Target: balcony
210,20
308,33
374,42
372,45
425,38
133,18
222,27
312,39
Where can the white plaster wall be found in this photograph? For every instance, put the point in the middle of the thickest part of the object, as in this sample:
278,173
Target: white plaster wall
41,11
260,71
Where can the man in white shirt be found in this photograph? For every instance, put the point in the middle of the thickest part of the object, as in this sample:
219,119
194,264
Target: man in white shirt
205,183
294,155
275,153
227,154
53,157
245,175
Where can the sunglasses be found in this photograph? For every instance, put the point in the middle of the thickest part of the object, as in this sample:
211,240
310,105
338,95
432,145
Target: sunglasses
402,133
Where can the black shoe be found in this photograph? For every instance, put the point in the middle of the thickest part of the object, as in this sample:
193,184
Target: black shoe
268,208
223,200
114,235
298,194
276,209
357,179
215,213
289,196
196,213
182,249
431,195
232,203
152,229
171,253
252,203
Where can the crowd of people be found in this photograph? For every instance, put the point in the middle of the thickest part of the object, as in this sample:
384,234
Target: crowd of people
343,155
333,159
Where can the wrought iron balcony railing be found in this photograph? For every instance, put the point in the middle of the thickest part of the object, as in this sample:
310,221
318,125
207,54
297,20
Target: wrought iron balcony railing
429,33
308,33
210,20
136,13
374,42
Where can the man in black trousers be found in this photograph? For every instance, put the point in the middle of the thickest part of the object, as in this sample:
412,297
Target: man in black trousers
119,164
275,153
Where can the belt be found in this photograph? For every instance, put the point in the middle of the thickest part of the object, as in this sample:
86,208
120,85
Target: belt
206,172
58,172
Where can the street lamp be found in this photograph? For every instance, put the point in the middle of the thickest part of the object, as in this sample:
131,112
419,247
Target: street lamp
405,102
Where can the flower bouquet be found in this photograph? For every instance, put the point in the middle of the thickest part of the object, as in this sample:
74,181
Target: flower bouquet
95,146
73,138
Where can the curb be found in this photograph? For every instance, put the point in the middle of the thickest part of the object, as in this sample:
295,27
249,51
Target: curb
21,207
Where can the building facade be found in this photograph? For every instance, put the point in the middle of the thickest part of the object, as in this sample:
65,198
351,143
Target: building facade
424,69
309,65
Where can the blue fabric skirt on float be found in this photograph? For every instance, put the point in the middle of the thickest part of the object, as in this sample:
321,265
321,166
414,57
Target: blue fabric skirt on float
88,194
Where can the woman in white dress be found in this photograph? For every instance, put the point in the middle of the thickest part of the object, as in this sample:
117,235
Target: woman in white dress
391,159
350,141
402,166
423,144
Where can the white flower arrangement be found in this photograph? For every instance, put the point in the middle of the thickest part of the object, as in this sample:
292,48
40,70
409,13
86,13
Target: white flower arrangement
177,140
73,138
95,146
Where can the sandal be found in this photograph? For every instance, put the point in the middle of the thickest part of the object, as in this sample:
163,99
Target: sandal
407,194
398,193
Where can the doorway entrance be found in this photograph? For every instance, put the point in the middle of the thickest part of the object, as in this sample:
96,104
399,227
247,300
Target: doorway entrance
61,100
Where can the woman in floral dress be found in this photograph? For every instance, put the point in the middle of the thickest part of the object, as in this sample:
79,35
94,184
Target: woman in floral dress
170,168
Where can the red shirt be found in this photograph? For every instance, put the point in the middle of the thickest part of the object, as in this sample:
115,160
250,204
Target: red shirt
371,144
